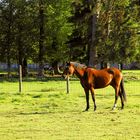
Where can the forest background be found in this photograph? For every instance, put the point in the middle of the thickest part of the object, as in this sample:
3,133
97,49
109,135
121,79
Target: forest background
56,31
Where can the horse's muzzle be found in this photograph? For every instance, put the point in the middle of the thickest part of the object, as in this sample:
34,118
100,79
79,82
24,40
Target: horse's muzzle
64,75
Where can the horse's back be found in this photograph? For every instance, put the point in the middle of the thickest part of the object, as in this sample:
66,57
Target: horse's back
104,77
105,71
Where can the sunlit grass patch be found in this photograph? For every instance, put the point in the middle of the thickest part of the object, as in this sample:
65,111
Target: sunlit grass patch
45,111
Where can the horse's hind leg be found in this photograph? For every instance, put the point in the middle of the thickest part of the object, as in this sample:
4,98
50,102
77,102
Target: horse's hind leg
116,97
122,102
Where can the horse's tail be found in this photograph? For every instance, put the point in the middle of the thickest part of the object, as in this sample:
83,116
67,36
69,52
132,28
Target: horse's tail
123,90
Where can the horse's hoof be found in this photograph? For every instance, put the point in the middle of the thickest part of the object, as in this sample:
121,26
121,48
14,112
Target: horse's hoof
122,108
95,108
85,110
114,107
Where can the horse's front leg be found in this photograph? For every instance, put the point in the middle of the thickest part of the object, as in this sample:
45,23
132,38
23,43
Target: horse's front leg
93,97
87,98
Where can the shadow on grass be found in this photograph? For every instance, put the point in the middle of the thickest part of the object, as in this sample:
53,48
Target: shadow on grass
50,112
34,113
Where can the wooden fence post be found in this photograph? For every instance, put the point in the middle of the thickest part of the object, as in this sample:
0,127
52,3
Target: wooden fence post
20,78
68,85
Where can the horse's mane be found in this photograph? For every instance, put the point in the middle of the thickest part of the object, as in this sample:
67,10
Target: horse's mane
78,65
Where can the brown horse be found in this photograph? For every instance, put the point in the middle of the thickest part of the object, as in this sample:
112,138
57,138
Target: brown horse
94,79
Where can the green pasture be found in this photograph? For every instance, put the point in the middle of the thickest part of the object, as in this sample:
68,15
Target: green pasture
43,111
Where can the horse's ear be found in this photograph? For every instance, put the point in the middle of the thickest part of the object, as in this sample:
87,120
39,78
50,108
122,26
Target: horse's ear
67,63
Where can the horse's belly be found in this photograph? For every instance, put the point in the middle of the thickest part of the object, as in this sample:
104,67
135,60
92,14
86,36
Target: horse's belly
102,82
100,86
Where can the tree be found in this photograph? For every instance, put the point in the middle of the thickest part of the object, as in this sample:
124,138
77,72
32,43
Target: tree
39,31
58,29
41,37
25,32
6,31
107,28
18,38
84,35
122,41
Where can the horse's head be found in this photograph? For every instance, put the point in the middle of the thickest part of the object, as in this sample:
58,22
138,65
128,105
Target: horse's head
68,70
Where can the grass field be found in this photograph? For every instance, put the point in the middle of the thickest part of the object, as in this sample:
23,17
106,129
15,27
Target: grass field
43,111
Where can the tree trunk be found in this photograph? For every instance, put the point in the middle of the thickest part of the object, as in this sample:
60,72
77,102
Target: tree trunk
92,45
24,67
41,39
9,39
120,66
102,65
8,51
9,67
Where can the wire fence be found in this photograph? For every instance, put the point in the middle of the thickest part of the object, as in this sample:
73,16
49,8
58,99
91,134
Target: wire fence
32,83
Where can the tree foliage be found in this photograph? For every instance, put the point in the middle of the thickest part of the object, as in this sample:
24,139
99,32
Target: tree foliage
35,30
117,27
44,31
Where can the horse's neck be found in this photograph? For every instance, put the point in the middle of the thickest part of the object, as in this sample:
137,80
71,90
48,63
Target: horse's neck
79,72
